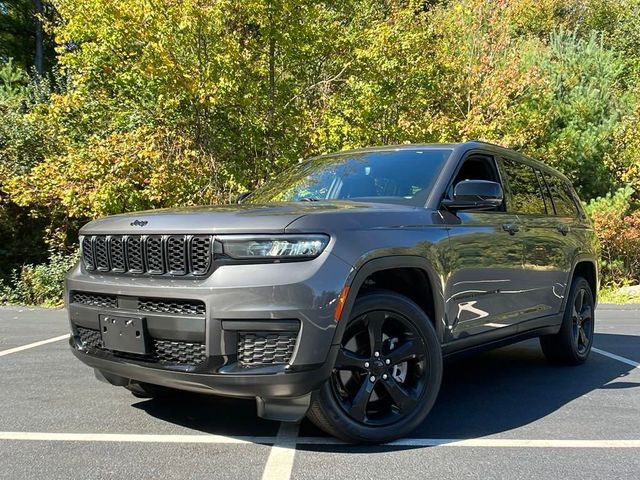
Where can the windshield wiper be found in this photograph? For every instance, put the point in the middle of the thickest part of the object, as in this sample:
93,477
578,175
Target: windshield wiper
308,199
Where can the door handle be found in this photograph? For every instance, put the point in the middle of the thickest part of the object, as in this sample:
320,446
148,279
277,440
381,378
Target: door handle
510,228
563,229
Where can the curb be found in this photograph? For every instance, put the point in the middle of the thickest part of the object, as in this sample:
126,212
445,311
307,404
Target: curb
615,306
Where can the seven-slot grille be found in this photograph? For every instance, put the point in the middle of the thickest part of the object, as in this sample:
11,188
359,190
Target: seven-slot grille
147,254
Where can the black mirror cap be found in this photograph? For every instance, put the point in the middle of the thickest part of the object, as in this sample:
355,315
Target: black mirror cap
476,194
240,198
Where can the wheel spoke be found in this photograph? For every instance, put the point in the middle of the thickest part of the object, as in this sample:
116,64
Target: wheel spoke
374,327
400,396
583,337
361,400
348,360
406,351
579,300
586,313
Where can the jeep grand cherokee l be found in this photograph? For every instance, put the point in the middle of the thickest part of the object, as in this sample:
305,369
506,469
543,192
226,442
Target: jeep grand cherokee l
336,289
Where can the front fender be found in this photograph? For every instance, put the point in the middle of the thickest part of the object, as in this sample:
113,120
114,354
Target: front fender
432,267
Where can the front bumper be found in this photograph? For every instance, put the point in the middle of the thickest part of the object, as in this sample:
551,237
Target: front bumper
264,298
277,384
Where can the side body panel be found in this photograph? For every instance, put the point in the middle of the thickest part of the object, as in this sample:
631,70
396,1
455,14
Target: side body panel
545,257
486,281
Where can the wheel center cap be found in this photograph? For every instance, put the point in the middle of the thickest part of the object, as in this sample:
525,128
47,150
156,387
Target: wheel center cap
377,367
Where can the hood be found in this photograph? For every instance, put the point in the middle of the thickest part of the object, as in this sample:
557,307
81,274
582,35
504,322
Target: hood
245,218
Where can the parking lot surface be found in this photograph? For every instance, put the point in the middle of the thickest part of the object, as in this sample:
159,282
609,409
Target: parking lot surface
503,414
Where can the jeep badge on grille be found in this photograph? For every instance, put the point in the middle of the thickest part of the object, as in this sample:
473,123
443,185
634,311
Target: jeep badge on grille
139,223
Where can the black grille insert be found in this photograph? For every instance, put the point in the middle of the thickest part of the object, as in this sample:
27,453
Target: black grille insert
116,246
265,348
176,255
180,307
134,255
94,299
102,257
148,254
200,254
162,351
151,305
90,339
184,353
87,253
155,255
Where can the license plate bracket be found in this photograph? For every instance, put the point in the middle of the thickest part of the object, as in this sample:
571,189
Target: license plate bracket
124,334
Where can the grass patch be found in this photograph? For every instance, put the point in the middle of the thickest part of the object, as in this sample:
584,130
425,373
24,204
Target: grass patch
619,296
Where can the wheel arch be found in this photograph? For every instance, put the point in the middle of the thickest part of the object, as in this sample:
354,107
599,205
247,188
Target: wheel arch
388,264
586,267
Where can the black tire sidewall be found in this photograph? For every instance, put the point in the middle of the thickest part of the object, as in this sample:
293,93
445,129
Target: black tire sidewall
352,430
566,330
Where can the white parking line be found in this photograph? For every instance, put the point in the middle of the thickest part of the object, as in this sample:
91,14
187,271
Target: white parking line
487,443
280,461
628,361
32,345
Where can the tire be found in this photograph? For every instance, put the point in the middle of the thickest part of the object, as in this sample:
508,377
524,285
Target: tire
572,344
375,399
148,390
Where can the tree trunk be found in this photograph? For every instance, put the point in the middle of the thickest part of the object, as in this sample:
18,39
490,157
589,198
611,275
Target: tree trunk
39,55
272,93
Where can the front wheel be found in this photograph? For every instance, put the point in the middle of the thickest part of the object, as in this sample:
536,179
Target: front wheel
572,344
387,373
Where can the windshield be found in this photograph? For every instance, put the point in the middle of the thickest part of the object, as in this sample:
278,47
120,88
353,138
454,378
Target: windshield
401,176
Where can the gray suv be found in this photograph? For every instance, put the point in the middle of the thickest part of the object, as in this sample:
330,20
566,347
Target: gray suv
337,289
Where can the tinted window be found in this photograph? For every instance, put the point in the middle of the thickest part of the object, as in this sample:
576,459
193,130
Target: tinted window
526,196
562,198
548,203
402,176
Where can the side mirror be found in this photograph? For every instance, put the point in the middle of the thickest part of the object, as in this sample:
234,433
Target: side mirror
475,194
240,198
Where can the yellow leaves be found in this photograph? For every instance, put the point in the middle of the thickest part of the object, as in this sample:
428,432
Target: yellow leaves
124,171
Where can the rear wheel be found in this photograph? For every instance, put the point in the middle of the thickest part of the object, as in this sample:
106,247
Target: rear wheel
386,376
572,344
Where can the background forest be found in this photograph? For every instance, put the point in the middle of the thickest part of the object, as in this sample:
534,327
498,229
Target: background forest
114,106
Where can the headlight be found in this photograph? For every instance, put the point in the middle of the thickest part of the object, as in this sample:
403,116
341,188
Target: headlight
255,247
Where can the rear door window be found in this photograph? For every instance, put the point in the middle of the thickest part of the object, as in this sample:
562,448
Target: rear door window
563,201
548,203
524,187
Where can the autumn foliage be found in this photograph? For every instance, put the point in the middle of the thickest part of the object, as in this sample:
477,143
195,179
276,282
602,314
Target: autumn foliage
167,103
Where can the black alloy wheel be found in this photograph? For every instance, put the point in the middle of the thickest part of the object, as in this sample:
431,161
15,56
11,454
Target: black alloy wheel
582,319
379,375
572,344
386,375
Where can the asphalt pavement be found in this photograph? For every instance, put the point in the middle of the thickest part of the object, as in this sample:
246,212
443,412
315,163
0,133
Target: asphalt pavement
502,414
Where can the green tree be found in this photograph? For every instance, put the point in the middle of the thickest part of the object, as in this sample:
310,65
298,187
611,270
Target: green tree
584,101
23,36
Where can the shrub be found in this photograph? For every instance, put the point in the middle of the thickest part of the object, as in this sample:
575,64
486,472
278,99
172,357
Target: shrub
617,225
41,284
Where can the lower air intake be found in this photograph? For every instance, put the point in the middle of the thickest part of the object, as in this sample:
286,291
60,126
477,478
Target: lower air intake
172,352
265,348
